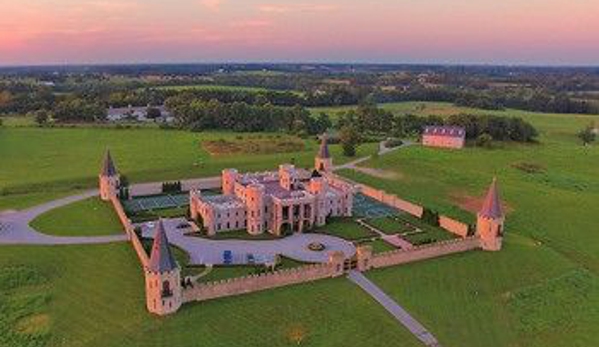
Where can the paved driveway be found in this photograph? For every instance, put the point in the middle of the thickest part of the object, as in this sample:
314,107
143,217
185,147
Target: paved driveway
15,229
204,251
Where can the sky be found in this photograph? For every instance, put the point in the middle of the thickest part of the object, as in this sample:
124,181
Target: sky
532,32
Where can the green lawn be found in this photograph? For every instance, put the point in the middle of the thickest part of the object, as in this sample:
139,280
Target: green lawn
83,218
346,228
241,234
389,225
378,245
150,215
44,163
525,295
93,296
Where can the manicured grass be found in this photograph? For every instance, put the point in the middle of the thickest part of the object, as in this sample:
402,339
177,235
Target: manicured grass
525,295
93,296
42,163
82,218
345,227
378,245
389,225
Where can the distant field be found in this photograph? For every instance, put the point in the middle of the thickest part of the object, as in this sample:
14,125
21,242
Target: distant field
212,87
256,144
39,163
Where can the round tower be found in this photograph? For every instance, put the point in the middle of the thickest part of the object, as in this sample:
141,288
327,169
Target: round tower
490,220
255,208
163,276
323,160
109,178
229,177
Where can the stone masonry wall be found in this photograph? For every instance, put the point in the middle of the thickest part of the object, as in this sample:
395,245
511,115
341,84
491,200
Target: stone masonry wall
129,229
453,226
252,283
433,250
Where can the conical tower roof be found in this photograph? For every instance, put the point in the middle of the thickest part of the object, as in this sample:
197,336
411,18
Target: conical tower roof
323,151
161,258
492,205
108,168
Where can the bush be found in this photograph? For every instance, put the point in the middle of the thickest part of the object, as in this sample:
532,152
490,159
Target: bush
391,143
484,140
431,217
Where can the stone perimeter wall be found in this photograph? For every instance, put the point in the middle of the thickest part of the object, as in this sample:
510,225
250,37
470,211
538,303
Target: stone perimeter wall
453,226
253,283
417,253
392,200
130,230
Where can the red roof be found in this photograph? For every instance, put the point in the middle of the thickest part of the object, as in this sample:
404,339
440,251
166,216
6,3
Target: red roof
492,205
444,130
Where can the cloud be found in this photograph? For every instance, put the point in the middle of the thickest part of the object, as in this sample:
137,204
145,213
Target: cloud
212,5
252,23
302,7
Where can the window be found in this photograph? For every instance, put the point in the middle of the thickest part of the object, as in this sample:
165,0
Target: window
166,289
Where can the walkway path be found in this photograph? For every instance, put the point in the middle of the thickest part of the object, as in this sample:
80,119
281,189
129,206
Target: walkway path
382,151
392,307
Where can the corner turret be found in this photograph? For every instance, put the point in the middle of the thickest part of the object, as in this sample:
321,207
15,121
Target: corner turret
109,178
163,276
323,160
490,220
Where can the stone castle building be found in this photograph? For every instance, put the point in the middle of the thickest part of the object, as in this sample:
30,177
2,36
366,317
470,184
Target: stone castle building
490,220
286,201
109,178
444,136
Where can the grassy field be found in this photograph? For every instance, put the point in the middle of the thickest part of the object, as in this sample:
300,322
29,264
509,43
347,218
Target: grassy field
541,290
346,228
83,218
547,275
48,163
93,296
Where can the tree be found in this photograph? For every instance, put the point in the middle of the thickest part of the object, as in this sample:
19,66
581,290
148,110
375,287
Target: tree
41,117
349,139
587,135
153,113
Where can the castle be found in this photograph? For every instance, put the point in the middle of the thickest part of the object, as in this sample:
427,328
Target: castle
289,200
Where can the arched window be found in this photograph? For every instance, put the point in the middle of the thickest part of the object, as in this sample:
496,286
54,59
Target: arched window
166,289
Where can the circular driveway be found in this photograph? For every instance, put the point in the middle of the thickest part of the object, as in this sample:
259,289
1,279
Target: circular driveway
205,251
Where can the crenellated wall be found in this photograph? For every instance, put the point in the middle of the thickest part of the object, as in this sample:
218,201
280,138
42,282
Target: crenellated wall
130,230
253,283
453,226
417,253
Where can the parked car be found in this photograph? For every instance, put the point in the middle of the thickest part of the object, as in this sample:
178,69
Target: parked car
250,258
227,257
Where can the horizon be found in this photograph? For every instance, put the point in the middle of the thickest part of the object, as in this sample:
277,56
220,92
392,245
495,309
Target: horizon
483,32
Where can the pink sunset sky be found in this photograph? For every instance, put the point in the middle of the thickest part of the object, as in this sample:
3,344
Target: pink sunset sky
386,31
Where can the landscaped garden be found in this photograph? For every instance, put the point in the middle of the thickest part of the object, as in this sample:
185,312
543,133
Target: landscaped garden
345,228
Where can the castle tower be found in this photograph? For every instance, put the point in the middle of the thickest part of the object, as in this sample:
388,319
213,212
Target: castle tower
323,160
319,186
490,219
255,208
287,176
109,178
163,276
229,177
